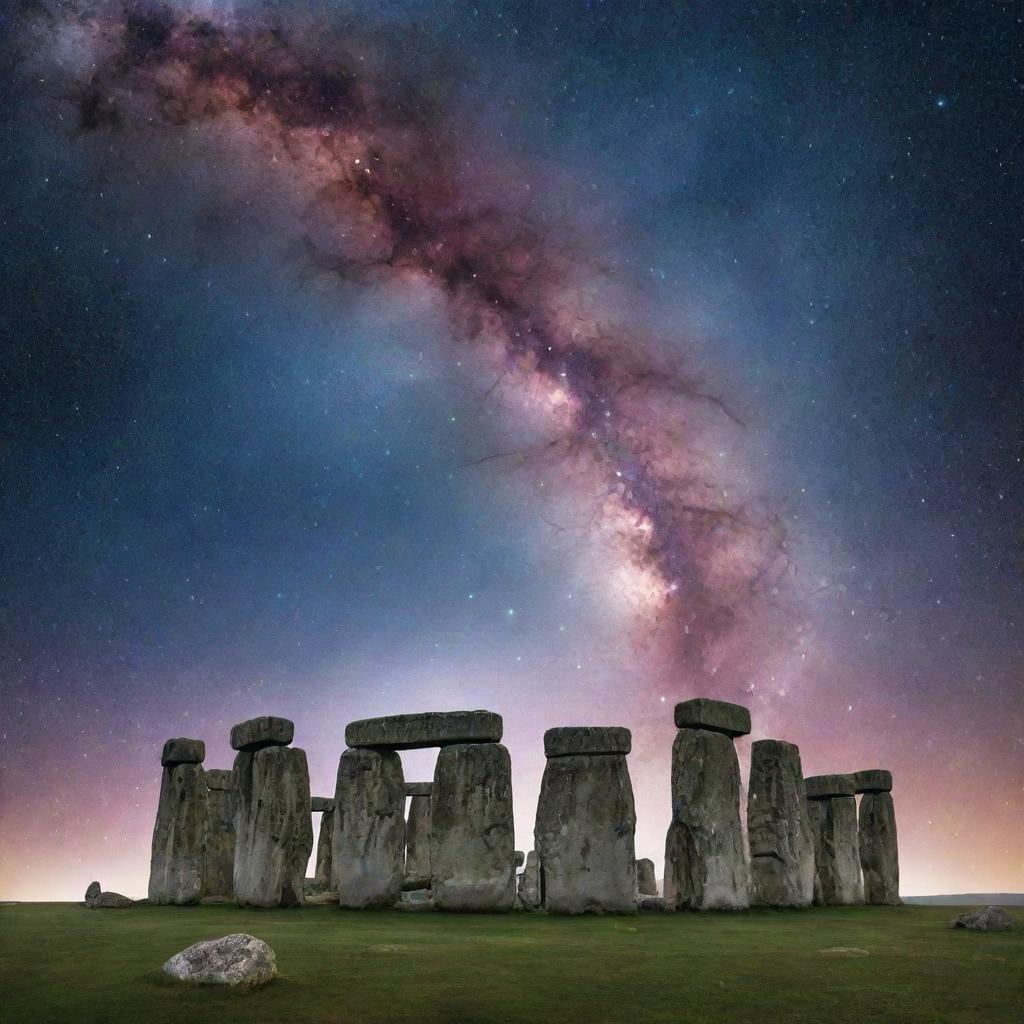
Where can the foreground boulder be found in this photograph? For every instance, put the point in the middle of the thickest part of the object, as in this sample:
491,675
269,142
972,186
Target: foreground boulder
991,919
96,899
237,959
428,729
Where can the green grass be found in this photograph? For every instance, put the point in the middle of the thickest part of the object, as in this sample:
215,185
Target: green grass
60,962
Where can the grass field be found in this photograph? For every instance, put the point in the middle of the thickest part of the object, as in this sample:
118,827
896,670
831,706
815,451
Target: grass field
60,962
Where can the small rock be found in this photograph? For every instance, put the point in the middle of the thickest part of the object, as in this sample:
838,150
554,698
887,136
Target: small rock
317,899
110,901
237,959
991,919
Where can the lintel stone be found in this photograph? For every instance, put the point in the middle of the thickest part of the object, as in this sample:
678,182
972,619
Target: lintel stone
183,751
586,739
427,729
821,787
715,715
266,731
418,788
873,780
321,803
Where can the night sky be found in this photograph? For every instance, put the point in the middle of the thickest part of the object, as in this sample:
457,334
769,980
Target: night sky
564,360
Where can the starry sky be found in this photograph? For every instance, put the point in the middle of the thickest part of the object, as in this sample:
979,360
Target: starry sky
564,361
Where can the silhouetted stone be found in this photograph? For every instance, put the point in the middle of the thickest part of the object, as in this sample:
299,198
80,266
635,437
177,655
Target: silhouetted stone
237,959
646,880
183,751
428,729
266,731
369,829
705,855
879,852
471,829
177,867
821,787
529,883
220,834
837,879
779,827
991,919
568,741
714,715
417,843
874,780
273,826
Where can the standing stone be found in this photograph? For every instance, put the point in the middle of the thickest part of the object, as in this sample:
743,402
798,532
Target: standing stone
472,838
369,829
879,853
417,844
273,826
586,821
779,827
178,858
705,855
529,883
220,834
646,880
833,811
325,843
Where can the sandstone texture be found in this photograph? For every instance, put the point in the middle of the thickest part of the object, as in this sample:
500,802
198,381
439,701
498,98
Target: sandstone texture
991,919
874,780
586,739
714,715
237,959
472,837
529,883
705,855
418,788
266,731
183,751
273,826
779,828
837,879
177,866
369,829
879,852
417,844
820,787
646,880
219,778
428,729
584,835
220,834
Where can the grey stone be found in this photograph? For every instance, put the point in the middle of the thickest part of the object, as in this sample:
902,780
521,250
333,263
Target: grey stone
823,787
991,919
646,880
417,844
874,780
879,852
705,855
110,901
472,838
520,858
658,904
266,731
273,826
714,715
321,898
418,788
183,751
428,729
837,880
586,739
369,829
323,878
319,804
220,834
92,893
236,959
529,883
779,827
177,866
584,835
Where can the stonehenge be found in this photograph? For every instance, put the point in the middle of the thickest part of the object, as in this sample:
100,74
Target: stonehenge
705,854
779,827
177,864
833,811
585,823
220,834
876,834
417,836
273,817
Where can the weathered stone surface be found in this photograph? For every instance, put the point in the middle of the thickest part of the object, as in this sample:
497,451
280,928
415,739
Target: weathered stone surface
324,897
714,715
584,835
92,892
369,829
418,788
323,879
183,751
110,901
266,731
705,856
417,844
879,852
220,834
319,804
472,837
658,904
237,959
837,880
991,919
273,826
529,883
568,741
822,787
177,866
646,880
428,729
779,827
520,858
874,780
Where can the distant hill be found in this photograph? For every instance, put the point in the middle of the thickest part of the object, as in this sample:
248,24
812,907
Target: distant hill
970,899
